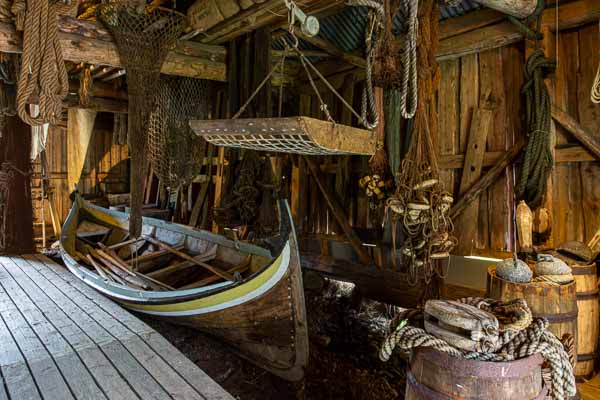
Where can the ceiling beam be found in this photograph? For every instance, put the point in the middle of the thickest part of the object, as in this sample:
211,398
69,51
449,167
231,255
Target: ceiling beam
270,12
89,42
475,35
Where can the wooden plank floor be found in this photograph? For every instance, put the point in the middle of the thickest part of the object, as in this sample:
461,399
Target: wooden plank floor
59,339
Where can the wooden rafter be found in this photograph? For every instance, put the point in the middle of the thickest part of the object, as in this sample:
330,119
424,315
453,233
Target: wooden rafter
270,12
472,33
88,42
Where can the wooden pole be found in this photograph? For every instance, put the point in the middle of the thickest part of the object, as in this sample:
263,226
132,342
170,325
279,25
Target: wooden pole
15,143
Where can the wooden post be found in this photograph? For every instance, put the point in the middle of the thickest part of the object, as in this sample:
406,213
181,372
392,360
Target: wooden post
80,126
15,143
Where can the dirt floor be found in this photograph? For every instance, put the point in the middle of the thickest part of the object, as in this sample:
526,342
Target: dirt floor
345,334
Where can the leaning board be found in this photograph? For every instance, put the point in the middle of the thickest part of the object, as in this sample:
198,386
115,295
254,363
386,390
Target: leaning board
60,339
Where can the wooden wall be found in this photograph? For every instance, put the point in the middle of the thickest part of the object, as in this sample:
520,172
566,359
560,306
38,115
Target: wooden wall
491,79
105,169
574,198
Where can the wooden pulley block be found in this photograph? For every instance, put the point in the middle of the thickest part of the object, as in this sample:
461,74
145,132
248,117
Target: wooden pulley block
461,325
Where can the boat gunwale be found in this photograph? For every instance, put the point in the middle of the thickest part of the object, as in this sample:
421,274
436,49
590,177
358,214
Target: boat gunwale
126,294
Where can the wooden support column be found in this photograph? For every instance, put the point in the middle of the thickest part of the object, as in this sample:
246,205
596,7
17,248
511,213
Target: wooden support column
15,145
80,126
338,212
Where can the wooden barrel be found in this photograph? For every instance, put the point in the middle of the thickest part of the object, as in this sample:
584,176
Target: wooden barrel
558,304
438,376
587,321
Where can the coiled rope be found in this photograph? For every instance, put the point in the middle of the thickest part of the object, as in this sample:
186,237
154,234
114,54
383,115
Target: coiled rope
43,71
538,159
516,341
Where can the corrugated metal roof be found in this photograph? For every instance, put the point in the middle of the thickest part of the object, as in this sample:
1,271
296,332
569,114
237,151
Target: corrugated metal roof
346,29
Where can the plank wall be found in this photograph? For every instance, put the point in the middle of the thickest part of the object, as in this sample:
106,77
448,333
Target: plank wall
492,78
497,75
105,169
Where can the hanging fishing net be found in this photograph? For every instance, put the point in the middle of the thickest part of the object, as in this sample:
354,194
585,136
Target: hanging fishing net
174,150
143,40
421,205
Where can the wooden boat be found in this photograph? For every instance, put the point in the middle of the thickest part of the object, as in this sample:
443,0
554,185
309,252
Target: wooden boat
172,272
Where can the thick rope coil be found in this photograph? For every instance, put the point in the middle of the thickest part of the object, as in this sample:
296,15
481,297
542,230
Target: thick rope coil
6,14
537,160
43,71
513,344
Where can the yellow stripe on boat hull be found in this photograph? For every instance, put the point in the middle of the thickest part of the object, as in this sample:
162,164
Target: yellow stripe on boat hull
278,267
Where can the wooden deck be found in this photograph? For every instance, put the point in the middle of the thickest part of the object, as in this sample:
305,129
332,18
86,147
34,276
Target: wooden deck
61,340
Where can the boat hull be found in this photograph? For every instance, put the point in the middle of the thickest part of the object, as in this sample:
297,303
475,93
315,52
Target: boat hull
263,318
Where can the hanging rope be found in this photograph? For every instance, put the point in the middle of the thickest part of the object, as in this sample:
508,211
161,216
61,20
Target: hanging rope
409,77
43,71
420,203
517,340
595,95
537,160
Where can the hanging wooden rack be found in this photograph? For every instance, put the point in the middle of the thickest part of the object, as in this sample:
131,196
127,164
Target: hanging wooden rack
298,135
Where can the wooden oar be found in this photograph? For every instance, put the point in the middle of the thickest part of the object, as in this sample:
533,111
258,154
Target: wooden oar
211,279
215,270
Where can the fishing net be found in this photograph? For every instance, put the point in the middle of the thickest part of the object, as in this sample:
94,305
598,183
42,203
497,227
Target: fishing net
143,40
173,148
420,204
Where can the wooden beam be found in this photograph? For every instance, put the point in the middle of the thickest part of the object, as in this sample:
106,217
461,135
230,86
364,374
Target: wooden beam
490,158
516,8
475,35
332,49
271,12
382,285
486,180
338,212
87,43
586,138
469,22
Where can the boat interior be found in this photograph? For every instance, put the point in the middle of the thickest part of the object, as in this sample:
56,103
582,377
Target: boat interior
166,257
